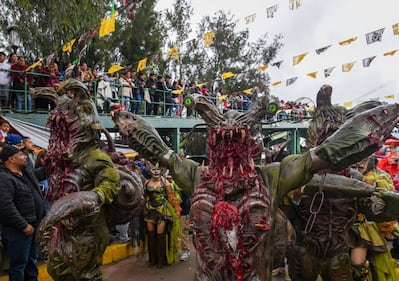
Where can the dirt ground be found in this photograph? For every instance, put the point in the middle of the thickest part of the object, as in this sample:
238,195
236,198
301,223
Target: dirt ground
136,269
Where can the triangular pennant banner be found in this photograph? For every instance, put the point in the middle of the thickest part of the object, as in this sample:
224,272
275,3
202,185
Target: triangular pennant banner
262,67
87,36
208,38
395,29
297,59
348,41
322,50
291,81
348,66
391,53
114,68
277,64
271,10
227,75
174,53
68,46
107,25
142,64
276,83
312,74
33,66
294,4
348,104
51,58
249,19
328,71
390,97
247,91
367,61
374,36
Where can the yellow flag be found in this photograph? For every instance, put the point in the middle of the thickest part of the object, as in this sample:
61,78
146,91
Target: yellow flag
33,66
174,53
297,59
348,104
391,53
276,83
177,92
348,66
247,91
227,75
223,97
312,74
262,67
68,46
395,29
107,25
114,68
142,64
348,41
208,38
390,97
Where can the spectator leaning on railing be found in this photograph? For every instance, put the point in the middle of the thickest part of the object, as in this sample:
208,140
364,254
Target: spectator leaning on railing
5,80
18,74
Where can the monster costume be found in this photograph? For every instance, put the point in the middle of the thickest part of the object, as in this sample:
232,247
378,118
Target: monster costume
88,193
234,200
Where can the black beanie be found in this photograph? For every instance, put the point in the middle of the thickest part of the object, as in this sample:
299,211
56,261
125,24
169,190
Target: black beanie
7,152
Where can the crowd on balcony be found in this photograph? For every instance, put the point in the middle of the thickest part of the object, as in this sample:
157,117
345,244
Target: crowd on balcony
128,90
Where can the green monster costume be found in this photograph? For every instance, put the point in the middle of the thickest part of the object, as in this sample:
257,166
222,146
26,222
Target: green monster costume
234,200
87,190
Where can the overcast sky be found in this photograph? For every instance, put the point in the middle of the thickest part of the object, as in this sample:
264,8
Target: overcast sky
314,25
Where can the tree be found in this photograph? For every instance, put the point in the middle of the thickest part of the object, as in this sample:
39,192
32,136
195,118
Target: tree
178,25
142,38
44,26
229,51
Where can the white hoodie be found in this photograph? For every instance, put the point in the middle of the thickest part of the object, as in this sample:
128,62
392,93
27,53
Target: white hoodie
5,77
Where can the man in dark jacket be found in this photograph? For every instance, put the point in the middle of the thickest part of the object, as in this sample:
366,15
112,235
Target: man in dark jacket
21,210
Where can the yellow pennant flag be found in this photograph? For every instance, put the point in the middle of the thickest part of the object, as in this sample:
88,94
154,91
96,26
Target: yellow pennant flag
347,104
174,53
107,25
262,67
391,53
223,97
208,38
390,97
177,92
312,74
395,29
114,68
247,91
142,64
348,66
348,41
276,83
68,46
227,75
297,59
33,66
201,84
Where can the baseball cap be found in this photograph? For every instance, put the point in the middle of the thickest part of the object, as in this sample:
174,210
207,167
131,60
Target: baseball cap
13,139
7,152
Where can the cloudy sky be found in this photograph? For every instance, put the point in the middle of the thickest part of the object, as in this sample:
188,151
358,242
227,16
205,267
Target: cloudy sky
316,24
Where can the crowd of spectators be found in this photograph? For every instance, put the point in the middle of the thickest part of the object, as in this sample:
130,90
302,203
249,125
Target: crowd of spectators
128,90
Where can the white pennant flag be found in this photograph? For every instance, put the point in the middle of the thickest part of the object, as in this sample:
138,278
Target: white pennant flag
374,36
271,10
367,61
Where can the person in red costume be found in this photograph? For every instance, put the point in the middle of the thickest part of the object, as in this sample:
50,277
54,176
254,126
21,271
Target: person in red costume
390,164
